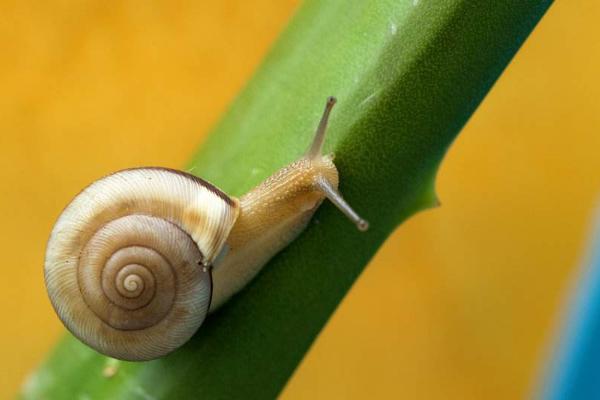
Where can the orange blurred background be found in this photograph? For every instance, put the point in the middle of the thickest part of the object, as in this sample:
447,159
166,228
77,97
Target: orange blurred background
460,303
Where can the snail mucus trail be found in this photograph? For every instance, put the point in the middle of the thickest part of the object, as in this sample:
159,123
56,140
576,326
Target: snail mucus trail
139,258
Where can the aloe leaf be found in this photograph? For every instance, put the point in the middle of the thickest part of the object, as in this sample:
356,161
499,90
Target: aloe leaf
407,74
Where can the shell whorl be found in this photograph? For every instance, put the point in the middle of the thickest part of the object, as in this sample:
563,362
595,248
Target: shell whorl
125,261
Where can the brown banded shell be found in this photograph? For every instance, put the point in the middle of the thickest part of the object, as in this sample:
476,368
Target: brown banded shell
125,263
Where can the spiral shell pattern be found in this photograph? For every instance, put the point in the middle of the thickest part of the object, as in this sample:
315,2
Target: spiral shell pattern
126,261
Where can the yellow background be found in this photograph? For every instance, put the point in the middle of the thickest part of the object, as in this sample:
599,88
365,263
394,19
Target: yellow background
459,304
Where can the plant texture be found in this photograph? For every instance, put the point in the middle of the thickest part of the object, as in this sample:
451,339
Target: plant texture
407,75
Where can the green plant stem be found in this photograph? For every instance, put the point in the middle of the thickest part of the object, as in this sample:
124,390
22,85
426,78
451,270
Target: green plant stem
407,75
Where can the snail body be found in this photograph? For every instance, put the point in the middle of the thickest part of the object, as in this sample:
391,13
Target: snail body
139,258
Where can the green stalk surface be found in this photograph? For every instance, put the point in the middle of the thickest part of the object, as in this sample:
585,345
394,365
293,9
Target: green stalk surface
407,75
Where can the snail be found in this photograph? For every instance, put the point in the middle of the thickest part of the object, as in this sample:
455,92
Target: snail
139,258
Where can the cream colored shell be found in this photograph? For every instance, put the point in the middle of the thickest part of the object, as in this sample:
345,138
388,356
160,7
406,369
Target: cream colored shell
126,261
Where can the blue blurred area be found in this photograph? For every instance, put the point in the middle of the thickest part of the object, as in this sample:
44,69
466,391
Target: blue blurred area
574,373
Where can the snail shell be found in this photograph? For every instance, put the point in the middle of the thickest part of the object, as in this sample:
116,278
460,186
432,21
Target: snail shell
126,262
